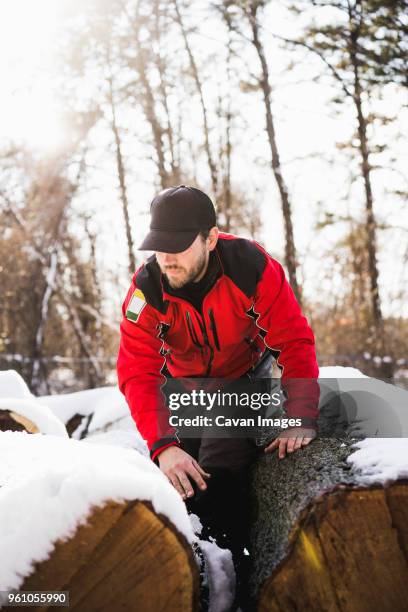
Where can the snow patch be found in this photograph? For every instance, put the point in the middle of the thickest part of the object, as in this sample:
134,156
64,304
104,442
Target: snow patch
221,576
220,572
13,385
105,403
340,372
195,523
105,407
380,460
117,437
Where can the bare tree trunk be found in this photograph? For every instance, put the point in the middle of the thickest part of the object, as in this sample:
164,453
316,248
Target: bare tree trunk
227,203
147,99
98,322
48,292
149,110
83,340
290,250
60,288
378,332
55,284
163,89
179,140
122,180
60,200
227,176
149,106
196,77
222,163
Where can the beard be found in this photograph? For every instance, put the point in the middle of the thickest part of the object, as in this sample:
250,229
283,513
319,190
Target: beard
186,276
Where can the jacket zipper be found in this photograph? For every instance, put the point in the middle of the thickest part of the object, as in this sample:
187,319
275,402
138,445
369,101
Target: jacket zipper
214,329
166,353
252,344
204,331
196,342
254,348
191,330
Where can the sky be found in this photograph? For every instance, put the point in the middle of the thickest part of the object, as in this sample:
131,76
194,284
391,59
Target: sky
305,126
27,35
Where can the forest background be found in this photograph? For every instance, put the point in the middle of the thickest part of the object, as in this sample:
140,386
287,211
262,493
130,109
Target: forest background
291,115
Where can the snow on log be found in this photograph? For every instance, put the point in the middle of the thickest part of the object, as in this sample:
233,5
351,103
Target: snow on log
12,421
330,527
30,416
87,411
13,385
21,411
103,523
94,413
100,415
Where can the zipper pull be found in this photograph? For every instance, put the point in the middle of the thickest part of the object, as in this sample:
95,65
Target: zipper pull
214,329
252,345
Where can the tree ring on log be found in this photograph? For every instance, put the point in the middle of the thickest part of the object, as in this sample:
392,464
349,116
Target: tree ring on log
125,557
13,421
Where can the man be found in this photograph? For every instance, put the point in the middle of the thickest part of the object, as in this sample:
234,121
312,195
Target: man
209,305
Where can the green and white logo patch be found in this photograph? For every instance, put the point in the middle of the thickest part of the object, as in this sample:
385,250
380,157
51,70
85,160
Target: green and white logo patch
135,306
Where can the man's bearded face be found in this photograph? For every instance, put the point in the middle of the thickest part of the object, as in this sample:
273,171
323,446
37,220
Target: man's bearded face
185,267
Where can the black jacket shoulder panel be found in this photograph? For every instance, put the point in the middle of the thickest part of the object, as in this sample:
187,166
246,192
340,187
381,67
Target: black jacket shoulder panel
243,262
148,279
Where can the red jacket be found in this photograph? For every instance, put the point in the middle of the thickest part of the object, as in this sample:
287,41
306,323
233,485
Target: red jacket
249,306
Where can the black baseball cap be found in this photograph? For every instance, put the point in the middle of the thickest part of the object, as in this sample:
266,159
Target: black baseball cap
177,216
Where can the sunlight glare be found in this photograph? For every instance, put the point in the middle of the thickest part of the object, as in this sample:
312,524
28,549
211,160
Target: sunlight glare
27,52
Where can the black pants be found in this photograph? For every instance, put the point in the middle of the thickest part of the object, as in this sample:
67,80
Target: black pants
223,508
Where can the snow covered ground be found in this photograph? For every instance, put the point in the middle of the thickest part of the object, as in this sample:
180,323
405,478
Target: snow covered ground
62,478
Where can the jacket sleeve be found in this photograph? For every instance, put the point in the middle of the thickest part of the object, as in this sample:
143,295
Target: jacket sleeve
289,334
139,366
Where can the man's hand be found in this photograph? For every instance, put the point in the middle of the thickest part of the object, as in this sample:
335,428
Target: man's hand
179,467
291,440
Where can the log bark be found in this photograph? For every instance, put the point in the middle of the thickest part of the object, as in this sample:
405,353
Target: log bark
322,541
125,558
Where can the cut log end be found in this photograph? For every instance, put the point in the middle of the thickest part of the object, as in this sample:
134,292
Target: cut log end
13,421
348,552
125,557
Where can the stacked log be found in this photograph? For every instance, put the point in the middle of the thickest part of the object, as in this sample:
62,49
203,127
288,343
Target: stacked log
323,541
125,557
11,420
